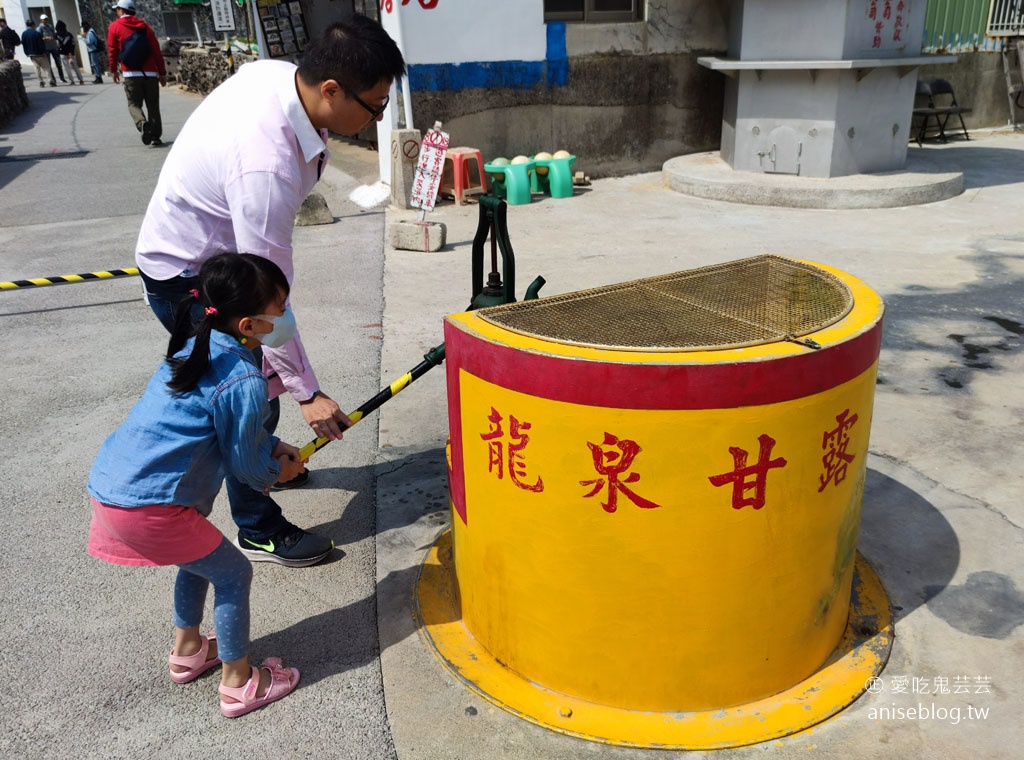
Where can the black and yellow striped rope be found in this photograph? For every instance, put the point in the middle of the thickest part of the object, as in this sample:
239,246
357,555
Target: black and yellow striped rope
431,359
68,279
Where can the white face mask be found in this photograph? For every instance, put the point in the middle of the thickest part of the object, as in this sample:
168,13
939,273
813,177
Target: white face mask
284,329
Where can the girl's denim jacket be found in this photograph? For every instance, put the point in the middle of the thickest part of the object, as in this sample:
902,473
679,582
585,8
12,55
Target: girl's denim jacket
174,449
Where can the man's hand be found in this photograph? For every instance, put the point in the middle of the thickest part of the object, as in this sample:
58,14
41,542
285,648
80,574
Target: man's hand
288,456
116,75
163,80
324,416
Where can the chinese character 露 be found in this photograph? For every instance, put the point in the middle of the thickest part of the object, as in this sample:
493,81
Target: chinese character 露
836,458
759,473
513,448
611,459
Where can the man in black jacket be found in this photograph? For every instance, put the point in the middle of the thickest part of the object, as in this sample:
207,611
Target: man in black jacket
35,48
9,40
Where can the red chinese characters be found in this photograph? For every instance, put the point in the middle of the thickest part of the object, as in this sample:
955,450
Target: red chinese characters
499,450
612,459
897,31
834,443
750,479
389,5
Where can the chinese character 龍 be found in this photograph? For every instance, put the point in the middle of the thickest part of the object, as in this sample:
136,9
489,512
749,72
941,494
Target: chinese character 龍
513,448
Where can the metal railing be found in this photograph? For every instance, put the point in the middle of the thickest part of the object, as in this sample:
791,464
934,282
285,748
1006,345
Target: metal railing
1006,18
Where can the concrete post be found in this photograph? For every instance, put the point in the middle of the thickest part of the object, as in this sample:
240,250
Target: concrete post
405,150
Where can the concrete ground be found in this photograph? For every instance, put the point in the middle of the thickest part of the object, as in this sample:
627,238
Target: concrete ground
84,642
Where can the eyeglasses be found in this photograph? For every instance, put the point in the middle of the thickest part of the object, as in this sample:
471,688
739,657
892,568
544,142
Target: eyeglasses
374,112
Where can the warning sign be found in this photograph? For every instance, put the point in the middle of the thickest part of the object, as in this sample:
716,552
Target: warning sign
428,171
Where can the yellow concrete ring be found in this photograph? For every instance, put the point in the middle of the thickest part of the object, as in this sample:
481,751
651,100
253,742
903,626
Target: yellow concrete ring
861,654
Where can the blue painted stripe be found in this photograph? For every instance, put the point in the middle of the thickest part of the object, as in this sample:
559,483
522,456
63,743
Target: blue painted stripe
515,75
558,59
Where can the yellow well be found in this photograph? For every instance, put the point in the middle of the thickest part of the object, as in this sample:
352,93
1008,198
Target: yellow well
660,533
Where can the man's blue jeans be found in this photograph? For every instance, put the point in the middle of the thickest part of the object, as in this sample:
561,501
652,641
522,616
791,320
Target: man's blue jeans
257,515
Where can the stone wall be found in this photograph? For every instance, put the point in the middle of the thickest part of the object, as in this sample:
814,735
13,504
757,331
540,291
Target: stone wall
13,98
621,114
202,69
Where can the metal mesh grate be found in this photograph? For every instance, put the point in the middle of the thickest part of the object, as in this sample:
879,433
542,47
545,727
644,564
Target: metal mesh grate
741,303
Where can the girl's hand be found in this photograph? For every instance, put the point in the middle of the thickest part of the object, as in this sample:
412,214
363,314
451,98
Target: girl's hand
288,456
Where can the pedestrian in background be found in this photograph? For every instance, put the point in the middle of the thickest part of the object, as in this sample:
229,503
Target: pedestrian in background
95,50
135,54
9,39
50,40
66,46
34,47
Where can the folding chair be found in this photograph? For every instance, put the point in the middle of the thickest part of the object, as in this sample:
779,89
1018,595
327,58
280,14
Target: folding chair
937,106
947,109
925,113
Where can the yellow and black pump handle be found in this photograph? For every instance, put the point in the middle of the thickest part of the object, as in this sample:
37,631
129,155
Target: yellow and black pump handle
431,359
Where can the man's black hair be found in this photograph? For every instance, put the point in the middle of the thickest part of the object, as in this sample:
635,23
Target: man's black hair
355,52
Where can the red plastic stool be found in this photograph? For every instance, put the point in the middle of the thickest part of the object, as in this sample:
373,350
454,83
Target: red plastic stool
455,177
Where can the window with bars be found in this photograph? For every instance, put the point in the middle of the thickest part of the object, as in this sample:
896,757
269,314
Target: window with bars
1006,18
179,25
595,11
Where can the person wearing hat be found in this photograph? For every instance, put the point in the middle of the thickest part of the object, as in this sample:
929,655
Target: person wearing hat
35,49
49,35
135,55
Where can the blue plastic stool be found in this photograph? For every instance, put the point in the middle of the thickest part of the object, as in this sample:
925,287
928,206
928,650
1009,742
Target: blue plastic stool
557,181
516,187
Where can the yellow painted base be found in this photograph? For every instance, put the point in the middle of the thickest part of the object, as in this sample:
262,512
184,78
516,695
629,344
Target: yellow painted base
861,654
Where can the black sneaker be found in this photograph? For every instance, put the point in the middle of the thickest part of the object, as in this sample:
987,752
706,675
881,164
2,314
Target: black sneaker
297,482
292,547
157,142
147,133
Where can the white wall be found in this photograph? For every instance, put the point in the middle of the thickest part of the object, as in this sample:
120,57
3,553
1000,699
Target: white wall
462,31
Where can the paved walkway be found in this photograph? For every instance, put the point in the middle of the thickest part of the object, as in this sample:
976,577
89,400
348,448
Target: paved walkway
84,642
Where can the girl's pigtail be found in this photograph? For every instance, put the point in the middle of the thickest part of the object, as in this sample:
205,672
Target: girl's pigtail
187,372
183,324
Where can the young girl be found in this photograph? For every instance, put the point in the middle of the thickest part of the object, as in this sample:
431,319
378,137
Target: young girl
155,478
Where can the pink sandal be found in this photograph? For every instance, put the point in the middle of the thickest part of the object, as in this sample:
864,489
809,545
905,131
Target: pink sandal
197,663
282,682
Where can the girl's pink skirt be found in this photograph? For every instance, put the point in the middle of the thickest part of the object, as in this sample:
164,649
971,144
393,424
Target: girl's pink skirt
154,535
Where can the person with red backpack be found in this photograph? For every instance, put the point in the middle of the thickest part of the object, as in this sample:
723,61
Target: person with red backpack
135,55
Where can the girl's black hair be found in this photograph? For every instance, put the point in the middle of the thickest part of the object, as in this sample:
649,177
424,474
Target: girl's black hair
231,286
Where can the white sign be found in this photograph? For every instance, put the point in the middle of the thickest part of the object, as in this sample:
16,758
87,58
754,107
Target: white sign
428,171
223,18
